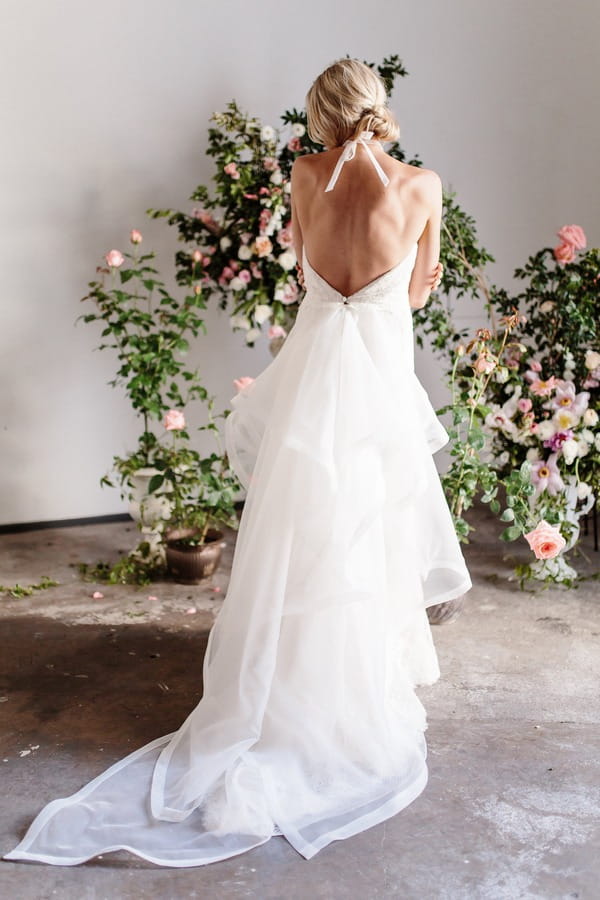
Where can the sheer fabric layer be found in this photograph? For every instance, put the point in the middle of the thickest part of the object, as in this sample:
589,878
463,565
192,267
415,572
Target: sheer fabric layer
309,725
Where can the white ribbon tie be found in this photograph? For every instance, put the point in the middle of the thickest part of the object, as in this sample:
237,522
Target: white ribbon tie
348,153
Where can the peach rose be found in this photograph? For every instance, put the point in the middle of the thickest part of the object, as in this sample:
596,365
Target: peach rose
263,245
197,256
114,258
231,170
545,540
483,365
564,253
135,236
573,235
174,420
242,382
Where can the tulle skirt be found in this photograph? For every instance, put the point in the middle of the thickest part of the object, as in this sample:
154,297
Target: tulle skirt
309,725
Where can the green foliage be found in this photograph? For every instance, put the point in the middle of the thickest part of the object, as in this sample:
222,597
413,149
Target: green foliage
18,590
140,567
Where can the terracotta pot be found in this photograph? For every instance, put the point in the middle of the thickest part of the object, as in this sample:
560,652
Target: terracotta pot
442,613
188,564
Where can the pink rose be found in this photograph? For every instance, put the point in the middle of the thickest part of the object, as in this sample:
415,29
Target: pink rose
483,365
251,196
545,540
264,219
114,258
135,236
573,235
295,144
270,164
245,276
227,272
263,245
290,292
524,404
231,169
174,420
285,238
206,218
264,190
535,366
564,253
256,271
242,382
276,331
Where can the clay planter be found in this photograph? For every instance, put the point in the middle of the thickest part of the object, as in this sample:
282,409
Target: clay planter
445,612
188,564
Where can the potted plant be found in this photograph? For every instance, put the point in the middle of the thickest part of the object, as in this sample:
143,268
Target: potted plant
150,331
201,492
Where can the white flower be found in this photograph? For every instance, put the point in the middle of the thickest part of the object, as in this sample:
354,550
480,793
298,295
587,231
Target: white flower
277,177
532,454
547,306
298,129
504,457
287,260
545,430
267,133
590,417
262,312
501,374
592,359
563,418
244,252
225,243
583,490
287,187
236,284
597,441
239,321
570,450
582,448
587,435
252,335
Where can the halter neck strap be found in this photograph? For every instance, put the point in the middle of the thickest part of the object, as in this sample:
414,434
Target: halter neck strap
348,153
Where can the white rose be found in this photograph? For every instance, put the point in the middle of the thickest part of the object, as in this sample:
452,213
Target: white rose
590,417
277,177
582,448
236,284
244,252
570,450
287,187
545,430
262,312
252,335
225,243
298,129
547,306
501,374
239,321
504,457
533,453
267,133
287,260
583,490
592,359
587,435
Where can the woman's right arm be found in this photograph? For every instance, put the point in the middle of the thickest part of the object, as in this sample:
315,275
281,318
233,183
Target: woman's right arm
427,272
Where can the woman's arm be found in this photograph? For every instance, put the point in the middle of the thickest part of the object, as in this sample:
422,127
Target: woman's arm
296,228
427,272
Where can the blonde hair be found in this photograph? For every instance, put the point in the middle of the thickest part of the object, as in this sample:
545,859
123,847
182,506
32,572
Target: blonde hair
347,98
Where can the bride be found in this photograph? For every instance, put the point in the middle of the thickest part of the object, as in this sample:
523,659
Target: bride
309,725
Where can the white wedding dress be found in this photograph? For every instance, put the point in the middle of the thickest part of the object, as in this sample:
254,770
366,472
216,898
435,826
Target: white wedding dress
309,725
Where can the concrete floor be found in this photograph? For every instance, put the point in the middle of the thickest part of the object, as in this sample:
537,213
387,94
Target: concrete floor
512,805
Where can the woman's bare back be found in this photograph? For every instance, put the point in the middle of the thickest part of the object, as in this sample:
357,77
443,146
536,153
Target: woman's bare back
361,229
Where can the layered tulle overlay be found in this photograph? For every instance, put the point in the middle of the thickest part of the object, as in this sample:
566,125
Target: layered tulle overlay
309,725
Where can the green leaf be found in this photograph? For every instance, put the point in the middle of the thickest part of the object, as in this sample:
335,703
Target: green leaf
155,482
508,515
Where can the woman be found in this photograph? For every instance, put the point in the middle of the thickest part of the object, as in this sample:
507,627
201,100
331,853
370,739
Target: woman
309,725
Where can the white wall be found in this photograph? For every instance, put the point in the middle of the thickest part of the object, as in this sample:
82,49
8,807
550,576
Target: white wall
105,111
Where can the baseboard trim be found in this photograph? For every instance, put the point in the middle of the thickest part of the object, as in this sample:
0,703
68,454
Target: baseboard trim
64,523
70,523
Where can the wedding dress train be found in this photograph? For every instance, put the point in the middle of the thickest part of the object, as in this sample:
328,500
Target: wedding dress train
309,725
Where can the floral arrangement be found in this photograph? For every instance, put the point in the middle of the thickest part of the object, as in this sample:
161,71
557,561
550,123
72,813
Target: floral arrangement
238,240
528,406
